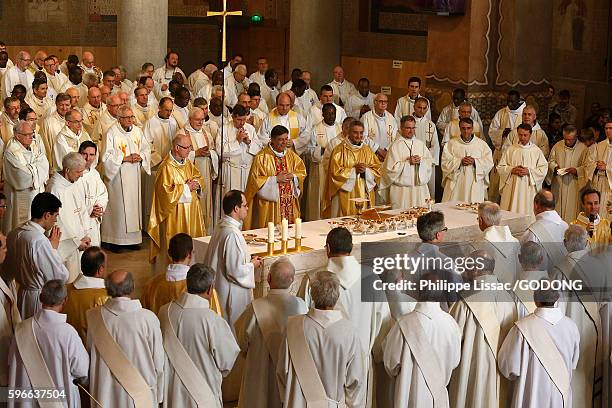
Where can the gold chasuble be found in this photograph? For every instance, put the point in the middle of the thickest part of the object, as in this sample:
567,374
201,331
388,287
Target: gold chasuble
341,170
266,164
174,209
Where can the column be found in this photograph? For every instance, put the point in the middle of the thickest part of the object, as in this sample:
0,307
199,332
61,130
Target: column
315,38
142,33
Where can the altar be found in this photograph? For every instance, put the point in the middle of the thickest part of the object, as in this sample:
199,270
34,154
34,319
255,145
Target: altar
461,223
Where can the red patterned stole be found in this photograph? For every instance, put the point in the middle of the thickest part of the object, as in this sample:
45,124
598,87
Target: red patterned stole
285,191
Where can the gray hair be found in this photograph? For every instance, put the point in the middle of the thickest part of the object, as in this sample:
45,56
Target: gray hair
325,290
119,289
122,110
282,273
466,103
111,98
53,293
532,255
73,160
200,278
195,110
90,78
241,69
490,213
576,238
69,116
19,126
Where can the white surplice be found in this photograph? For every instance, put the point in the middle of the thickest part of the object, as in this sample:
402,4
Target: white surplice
476,382
259,370
450,112
138,334
356,101
122,222
441,332
63,353
465,183
532,385
228,255
382,130
91,115
25,173
33,262
602,179
342,91
73,220
407,183
517,192
209,343
67,142
548,230
499,241
335,349
51,126
405,106
323,134
237,156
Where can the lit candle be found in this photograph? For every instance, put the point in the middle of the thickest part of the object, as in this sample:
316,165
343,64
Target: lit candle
271,232
298,228
285,229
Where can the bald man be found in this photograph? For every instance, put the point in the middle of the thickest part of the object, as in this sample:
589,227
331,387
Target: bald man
19,74
235,84
88,65
343,89
259,331
38,62
176,200
538,136
299,135
136,333
106,120
92,109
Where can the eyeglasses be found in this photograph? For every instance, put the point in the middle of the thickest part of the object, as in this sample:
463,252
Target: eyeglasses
75,121
444,229
26,134
127,117
185,147
409,127
381,101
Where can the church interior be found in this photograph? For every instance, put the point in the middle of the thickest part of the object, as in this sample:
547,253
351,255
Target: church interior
535,205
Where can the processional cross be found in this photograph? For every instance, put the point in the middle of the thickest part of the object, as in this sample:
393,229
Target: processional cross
224,13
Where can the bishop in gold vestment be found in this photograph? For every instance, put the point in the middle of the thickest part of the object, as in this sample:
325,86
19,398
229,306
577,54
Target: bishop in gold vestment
353,172
275,183
176,206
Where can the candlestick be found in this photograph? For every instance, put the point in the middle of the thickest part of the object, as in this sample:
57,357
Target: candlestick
284,230
270,248
298,228
271,232
284,247
298,244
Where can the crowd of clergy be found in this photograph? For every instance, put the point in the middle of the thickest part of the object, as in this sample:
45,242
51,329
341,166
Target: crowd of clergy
91,161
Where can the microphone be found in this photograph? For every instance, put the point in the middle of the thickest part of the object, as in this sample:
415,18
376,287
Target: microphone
591,219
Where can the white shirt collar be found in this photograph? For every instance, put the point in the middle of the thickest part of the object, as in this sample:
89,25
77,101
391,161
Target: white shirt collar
550,215
325,318
277,154
428,308
176,272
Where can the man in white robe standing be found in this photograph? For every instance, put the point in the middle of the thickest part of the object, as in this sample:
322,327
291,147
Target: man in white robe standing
205,158
505,120
26,170
405,104
126,349
602,178
451,112
484,317
315,113
571,167
522,169
34,257
299,133
499,241
9,118
47,351
53,124
368,318
407,169
126,158
164,74
69,138
380,126
343,89
142,109
96,196
180,110
548,228
195,334
228,255
19,73
240,144
92,109
37,99
362,101
466,163
107,119
259,332
539,355
538,136
426,132
452,130
583,308
421,351
320,358
73,219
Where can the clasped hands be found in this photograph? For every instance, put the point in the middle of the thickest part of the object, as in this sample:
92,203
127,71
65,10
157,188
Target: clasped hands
468,161
132,158
284,177
520,171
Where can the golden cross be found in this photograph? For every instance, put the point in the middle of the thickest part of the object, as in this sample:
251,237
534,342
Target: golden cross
224,13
